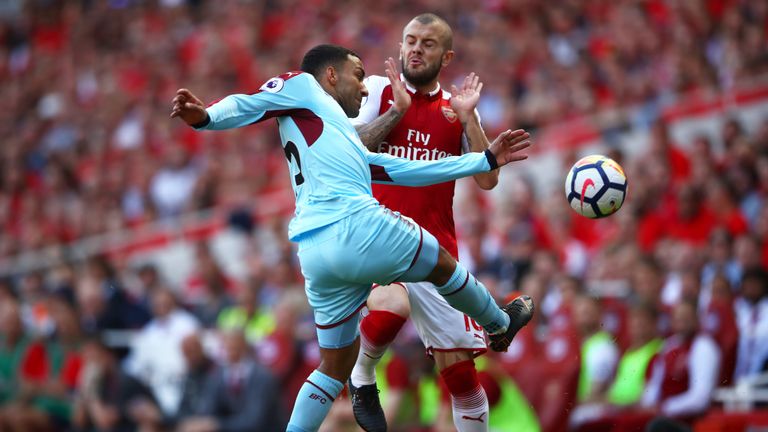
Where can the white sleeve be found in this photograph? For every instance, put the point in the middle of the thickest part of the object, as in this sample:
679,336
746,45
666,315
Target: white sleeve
369,108
704,365
652,390
135,364
601,362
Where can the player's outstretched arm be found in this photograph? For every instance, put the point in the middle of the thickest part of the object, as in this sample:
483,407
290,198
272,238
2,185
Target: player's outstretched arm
373,133
233,111
464,102
287,91
388,169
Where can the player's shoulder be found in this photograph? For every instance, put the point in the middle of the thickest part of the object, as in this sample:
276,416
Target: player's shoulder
376,83
377,80
296,78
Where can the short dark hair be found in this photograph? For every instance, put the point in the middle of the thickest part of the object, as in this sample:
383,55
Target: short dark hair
322,56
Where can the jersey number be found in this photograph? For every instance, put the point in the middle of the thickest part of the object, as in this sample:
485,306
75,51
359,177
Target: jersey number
469,321
292,151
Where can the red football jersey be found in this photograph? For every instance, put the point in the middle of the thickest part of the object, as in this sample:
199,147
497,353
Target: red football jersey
429,130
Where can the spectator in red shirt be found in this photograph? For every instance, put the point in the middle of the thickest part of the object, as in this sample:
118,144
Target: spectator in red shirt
661,144
51,370
722,201
719,320
691,221
685,373
14,349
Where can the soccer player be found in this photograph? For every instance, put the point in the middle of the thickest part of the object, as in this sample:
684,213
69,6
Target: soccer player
422,123
346,240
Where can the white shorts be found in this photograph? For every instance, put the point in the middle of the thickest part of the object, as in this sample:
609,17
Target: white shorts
441,327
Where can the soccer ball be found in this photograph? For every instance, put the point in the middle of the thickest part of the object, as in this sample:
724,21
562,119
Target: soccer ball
596,186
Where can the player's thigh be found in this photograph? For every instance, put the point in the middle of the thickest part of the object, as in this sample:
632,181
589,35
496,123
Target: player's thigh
441,327
338,335
391,298
446,359
382,246
334,299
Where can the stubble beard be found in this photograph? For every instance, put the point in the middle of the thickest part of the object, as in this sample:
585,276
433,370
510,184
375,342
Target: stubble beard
424,77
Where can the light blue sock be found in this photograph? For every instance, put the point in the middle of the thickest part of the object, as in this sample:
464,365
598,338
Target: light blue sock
465,293
313,402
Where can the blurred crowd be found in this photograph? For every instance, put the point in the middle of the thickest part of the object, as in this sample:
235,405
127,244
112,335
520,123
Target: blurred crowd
625,302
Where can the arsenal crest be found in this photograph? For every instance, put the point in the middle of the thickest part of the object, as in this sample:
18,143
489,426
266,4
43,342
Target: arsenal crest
449,114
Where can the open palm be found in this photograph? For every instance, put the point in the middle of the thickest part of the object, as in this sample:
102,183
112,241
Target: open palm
402,100
464,100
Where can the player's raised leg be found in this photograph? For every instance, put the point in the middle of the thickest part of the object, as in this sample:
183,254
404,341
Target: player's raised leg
464,292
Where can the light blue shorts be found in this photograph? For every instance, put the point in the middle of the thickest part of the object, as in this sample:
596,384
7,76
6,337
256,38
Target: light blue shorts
341,261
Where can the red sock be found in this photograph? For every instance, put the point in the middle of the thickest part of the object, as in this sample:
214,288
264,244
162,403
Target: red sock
379,328
468,399
460,378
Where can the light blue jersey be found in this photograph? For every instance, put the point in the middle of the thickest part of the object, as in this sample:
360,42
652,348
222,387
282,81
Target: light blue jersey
331,170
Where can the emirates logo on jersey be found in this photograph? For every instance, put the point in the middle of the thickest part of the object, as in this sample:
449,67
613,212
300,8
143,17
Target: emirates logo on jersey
449,114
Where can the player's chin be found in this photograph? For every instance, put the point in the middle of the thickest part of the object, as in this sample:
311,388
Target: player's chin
415,71
352,111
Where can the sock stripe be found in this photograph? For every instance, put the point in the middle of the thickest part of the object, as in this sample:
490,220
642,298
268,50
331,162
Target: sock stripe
469,401
328,395
460,288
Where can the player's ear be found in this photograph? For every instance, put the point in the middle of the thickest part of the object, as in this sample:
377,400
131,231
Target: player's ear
447,57
331,75
400,51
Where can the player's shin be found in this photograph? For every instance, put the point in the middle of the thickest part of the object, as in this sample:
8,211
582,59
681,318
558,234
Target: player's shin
468,399
313,402
464,292
377,330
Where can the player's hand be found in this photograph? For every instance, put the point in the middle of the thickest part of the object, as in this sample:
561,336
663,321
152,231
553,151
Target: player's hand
507,146
402,99
464,100
188,107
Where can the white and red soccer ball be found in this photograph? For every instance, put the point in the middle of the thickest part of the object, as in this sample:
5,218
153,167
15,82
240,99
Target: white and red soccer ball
596,186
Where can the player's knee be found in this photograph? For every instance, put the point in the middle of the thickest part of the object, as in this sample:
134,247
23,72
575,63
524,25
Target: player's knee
460,378
392,298
446,359
444,268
